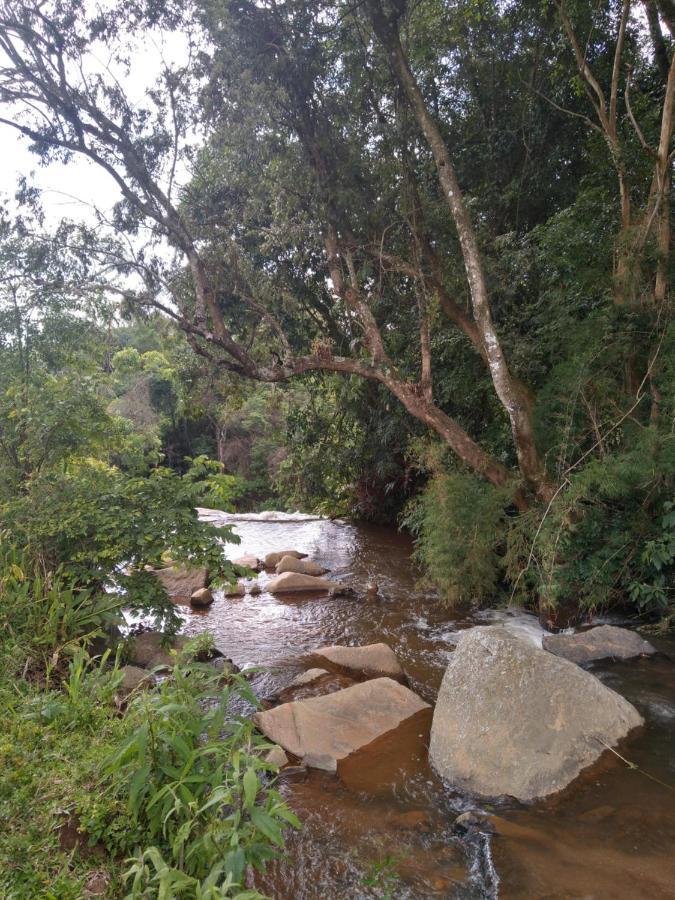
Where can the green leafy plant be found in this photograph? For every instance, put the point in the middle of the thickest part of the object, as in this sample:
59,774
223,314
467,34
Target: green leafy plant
195,783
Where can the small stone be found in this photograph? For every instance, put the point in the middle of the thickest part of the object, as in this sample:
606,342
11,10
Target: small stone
248,561
202,597
471,822
294,582
255,589
273,558
603,642
276,757
235,590
225,666
370,661
96,884
180,582
152,649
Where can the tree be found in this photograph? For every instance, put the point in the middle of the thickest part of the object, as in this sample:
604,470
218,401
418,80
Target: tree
66,110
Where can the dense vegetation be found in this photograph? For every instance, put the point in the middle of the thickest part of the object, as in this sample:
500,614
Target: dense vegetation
408,262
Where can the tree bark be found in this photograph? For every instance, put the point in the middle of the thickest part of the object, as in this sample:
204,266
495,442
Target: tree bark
519,414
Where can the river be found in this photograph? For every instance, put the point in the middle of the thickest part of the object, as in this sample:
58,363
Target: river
390,834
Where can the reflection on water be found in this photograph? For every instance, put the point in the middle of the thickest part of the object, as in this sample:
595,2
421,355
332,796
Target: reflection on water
611,834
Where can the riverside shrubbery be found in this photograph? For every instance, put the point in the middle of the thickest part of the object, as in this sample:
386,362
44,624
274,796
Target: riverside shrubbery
172,798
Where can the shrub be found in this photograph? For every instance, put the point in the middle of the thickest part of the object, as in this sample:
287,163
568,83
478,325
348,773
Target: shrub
458,524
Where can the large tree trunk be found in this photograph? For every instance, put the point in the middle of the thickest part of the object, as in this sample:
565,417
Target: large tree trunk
506,387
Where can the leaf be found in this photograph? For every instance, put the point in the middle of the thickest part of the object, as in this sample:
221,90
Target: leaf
250,782
267,826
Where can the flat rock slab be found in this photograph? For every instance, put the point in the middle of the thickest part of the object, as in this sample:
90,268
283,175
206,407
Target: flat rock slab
598,643
303,566
294,582
322,731
513,719
273,558
181,582
369,661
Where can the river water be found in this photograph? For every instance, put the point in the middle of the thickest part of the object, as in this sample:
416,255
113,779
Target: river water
389,833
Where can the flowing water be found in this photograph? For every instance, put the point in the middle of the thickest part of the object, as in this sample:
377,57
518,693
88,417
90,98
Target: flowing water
389,833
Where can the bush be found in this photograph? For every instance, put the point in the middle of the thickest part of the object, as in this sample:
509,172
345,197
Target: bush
458,524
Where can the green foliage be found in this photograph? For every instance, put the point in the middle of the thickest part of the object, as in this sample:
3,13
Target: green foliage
383,877
194,780
52,616
100,527
178,784
607,537
458,523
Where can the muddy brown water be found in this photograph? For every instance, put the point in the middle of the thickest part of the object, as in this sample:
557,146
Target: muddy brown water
387,831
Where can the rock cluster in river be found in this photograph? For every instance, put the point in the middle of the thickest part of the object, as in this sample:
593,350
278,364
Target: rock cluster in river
513,719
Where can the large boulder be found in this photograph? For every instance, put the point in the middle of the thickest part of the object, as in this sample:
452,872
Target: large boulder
598,643
249,562
303,566
322,731
152,649
132,678
369,661
273,558
180,582
294,582
513,719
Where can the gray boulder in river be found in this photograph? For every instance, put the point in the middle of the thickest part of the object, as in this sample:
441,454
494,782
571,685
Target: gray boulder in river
598,643
513,719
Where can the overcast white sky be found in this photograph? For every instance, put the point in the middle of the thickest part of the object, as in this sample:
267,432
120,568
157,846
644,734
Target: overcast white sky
73,190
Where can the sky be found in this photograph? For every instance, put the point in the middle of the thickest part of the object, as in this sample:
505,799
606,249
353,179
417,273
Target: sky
76,189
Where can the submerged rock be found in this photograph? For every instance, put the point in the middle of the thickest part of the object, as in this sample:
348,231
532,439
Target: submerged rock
273,558
180,582
307,677
598,643
202,597
369,661
303,566
291,582
322,731
472,822
513,719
